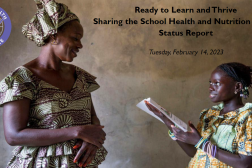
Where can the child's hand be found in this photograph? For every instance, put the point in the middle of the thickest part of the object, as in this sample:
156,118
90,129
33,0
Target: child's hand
159,114
191,137
154,110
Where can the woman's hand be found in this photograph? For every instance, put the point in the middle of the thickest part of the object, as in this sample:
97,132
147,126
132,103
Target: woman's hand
191,137
85,154
92,134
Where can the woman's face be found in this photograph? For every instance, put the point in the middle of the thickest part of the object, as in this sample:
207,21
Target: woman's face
222,87
69,41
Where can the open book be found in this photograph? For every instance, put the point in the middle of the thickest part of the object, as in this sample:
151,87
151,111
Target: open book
179,123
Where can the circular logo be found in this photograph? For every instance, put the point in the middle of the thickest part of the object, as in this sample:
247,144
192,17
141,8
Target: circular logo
5,26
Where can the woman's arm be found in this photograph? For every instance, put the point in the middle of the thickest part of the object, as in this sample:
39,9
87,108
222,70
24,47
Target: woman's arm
16,116
94,119
87,151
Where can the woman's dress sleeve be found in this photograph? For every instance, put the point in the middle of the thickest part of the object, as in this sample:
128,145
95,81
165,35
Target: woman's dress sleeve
16,86
87,81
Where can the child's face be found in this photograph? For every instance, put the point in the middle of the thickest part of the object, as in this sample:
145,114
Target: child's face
222,87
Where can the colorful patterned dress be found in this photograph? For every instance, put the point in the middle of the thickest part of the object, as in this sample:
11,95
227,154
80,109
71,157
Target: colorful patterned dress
51,108
230,132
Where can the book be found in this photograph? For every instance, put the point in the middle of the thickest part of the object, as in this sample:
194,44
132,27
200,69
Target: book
179,123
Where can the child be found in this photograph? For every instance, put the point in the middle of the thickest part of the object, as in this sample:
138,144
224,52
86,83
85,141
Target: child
223,137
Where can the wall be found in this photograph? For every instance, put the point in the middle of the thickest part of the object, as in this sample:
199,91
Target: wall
120,58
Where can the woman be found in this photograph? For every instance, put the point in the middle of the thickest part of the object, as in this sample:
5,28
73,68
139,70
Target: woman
223,137
47,105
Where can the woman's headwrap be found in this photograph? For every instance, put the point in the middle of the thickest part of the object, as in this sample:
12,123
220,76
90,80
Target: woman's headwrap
49,17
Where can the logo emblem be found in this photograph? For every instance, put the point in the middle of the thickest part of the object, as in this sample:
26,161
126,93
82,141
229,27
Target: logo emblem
5,26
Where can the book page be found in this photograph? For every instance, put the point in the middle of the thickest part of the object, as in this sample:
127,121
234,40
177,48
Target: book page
179,123
143,107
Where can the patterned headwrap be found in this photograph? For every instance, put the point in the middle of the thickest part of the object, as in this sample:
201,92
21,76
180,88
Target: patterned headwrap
49,17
